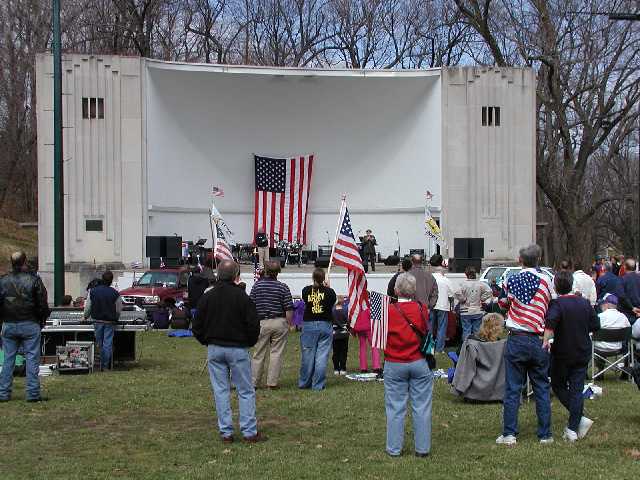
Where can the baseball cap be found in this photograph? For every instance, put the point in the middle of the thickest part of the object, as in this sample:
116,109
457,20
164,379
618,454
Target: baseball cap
609,298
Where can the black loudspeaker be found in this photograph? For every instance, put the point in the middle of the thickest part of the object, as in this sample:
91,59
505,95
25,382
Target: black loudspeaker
311,255
324,250
156,247
461,248
459,265
468,247
154,263
174,247
416,251
171,262
392,260
476,248
322,262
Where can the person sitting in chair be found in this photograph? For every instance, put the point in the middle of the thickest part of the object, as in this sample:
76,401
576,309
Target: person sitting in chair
479,372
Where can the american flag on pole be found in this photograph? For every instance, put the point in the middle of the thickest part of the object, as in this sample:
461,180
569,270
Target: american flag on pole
217,192
527,297
379,319
221,250
346,254
282,197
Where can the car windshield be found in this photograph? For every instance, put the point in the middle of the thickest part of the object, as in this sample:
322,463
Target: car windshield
493,274
158,278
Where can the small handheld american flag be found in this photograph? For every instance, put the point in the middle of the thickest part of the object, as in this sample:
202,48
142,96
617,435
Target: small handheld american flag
379,319
221,250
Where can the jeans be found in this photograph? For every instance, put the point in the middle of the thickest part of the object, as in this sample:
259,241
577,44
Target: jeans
413,381
315,343
340,352
439,320
567,382
104,340
15,335
223,361
470,325
524,356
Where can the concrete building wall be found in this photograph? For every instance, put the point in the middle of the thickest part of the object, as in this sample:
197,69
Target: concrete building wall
489,171
103,159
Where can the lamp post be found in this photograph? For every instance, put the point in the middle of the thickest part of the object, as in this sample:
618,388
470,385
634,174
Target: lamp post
58,186
633,17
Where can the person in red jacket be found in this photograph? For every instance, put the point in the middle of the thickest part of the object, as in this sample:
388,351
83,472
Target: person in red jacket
406,373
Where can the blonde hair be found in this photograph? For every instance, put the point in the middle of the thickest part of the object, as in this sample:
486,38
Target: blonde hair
492,327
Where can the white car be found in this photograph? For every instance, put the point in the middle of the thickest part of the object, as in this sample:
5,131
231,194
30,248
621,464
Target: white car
500,274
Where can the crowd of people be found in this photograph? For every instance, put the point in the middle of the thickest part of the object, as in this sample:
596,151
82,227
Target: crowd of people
543,334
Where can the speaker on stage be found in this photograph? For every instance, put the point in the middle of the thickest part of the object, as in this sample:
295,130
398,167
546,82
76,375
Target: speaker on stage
154,263
172,262
392,260
416,251
156,247
173,247
459,265
468,247
476,248
322,262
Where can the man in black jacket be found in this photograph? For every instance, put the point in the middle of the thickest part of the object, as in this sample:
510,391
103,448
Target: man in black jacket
104,305
23,309
227,323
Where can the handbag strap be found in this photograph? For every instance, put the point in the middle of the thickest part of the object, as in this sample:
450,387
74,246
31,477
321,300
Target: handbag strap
411,324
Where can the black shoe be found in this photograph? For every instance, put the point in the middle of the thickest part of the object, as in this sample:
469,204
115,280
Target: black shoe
4,400
624,376
37,400
422,455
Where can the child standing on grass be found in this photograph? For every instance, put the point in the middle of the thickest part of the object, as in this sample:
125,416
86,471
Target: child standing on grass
569,320
340,336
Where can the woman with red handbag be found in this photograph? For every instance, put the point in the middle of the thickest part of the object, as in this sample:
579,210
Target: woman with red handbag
407,376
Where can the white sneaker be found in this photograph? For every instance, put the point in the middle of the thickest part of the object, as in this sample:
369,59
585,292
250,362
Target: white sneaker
336,373
546,441
584,427
343,372
506,440
569,435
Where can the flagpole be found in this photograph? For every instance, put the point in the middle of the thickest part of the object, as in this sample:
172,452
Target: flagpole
427,214
213,238
335,239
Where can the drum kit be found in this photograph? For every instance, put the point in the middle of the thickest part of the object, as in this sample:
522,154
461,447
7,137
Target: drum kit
290,252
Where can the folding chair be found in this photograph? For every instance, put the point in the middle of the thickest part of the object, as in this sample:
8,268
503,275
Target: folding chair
625,353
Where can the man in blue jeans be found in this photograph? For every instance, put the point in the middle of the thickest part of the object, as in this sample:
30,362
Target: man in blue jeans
23,308
528,294
104,305
227,323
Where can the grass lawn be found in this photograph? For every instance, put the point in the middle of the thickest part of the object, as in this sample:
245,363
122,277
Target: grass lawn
13,238
156,420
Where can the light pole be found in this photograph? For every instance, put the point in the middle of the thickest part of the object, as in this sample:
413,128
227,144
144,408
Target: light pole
633,17
58,185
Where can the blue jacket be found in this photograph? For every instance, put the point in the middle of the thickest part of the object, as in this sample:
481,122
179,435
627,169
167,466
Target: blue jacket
610,283
631,284
103,303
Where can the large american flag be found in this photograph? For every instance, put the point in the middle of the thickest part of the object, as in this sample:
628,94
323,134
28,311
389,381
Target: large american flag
379,319
527,297
282,197
221,250
346,254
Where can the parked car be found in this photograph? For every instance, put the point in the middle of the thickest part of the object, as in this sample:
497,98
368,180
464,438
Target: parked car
501,274
155,286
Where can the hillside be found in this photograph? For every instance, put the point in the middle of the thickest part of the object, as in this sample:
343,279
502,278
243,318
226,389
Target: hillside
13,238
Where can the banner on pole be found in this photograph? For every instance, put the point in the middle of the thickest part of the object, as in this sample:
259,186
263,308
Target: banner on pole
433,230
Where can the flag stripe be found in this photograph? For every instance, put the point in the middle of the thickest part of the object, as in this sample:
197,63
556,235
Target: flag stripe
299,197
292,178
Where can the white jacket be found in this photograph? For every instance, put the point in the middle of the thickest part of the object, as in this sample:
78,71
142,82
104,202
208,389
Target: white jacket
445,292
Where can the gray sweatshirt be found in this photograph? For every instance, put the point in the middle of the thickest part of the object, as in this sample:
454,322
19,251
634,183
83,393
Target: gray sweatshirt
480,370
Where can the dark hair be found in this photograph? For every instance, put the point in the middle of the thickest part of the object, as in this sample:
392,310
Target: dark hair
18,259
107,278
565,265
563,282
470,272
272,268
170,302
530,255
318,276
228,271
406,264
436,260
93,283
66,300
